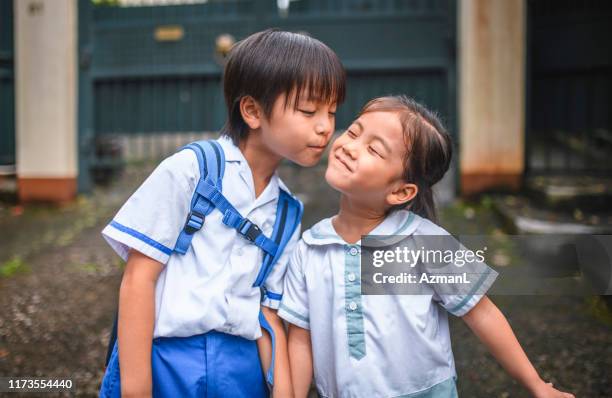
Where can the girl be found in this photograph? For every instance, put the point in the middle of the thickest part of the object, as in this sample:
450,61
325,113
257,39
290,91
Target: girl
385,345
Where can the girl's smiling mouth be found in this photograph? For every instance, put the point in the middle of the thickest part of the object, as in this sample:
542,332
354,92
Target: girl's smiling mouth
344,163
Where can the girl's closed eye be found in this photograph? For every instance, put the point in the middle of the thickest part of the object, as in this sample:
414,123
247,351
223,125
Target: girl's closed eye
375,152
351,133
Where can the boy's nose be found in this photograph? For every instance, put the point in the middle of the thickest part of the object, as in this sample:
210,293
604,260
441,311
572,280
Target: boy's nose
323,126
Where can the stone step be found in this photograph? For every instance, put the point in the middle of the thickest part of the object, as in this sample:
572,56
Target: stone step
566,193
522,216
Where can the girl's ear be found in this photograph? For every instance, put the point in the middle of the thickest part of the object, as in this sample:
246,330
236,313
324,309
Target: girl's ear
402,194
251,112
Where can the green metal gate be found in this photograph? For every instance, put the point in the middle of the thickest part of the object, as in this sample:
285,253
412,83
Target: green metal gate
569,87
7,86
146,82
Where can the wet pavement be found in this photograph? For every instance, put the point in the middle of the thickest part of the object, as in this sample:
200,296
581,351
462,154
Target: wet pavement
59,282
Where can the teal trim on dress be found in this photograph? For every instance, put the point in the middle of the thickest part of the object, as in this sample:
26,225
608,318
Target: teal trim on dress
352,264
322,236
334,235
471,293
293,313
445,389
352,302
409,220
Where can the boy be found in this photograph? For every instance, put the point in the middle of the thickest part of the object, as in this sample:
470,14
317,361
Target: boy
187,323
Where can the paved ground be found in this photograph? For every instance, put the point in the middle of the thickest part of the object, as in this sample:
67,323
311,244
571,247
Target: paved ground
59,281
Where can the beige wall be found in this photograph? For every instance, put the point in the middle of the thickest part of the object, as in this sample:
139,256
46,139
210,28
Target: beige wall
46,88
491,93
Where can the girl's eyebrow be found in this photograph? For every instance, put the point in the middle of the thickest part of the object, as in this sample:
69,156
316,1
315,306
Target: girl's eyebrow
358,123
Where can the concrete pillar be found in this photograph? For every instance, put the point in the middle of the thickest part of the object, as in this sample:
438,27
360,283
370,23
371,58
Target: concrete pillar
45,90
492,94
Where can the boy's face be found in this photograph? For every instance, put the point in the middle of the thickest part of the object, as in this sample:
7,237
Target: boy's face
299,133
366,161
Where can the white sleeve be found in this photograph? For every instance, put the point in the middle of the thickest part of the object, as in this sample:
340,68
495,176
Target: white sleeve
460,298
461,304
294,304
275,281
151,220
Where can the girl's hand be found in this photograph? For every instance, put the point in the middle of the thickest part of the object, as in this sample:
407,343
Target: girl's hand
546,390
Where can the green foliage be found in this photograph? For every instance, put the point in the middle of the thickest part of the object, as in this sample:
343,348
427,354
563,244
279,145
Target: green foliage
12,267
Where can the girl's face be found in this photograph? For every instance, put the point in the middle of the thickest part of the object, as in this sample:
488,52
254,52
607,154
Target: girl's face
366,161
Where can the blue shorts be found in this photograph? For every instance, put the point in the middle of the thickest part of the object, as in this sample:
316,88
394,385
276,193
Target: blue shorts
213,364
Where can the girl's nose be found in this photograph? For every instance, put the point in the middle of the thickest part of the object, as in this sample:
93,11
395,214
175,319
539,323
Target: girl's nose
350,149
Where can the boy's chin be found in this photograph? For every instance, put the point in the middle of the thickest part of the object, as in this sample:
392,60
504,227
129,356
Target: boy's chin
306,161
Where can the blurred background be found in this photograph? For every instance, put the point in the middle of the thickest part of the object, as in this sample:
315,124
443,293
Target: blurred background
93,94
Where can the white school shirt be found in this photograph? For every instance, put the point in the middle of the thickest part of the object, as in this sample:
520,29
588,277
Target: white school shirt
209,287
366,345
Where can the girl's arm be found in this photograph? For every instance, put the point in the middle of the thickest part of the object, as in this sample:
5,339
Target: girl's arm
300,359
135,327
282,376
492,328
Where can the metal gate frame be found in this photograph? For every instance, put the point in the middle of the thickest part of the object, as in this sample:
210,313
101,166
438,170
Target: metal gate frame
395,56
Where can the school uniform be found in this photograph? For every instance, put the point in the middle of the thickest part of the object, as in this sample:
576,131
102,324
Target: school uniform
206,308
372,345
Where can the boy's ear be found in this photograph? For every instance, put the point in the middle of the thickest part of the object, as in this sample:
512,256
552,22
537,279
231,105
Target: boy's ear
251,112
402,194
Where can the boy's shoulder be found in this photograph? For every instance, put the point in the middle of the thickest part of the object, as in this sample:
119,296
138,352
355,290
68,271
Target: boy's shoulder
184,162
180,166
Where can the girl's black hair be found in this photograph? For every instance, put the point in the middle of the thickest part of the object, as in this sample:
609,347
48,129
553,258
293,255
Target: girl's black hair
273,62
428,148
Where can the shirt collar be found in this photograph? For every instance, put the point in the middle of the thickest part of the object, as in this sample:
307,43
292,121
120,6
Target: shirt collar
400,222
232,152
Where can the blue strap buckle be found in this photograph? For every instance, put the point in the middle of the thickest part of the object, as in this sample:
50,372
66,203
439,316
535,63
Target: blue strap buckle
249,230
194,223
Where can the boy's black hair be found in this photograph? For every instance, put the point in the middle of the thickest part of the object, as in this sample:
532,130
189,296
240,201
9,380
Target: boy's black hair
270,63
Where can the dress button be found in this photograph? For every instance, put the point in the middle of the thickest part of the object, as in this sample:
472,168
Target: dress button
353,306
353,251
351,277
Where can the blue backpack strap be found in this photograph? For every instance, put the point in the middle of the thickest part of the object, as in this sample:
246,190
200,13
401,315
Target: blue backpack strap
288,216
211,161
233,219
264,324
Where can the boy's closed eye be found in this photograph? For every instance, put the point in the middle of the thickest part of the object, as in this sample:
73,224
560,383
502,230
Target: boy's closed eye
312,112
307,112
